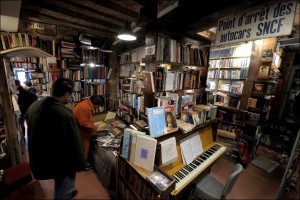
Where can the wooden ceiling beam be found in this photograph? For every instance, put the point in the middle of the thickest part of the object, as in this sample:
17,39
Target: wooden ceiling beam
83,12
110,7
69,19
29,15
134,5
71,16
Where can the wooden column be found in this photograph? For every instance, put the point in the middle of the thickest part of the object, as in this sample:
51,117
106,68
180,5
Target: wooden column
13,145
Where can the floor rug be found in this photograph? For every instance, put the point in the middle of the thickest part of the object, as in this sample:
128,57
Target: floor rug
265,163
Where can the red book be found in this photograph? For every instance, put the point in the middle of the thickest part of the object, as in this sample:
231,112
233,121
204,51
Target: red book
148,81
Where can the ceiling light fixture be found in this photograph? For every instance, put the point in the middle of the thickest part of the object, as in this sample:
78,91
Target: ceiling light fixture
126,33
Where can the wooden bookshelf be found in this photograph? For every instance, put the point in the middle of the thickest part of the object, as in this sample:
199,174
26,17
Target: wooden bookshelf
24,52
132,182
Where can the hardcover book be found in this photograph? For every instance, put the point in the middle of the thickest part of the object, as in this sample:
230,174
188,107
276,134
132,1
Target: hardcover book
148,80
171,119
145,151
126,143
157,121
133,139
141,123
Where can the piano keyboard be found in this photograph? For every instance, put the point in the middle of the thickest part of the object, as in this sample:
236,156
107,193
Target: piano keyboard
185,175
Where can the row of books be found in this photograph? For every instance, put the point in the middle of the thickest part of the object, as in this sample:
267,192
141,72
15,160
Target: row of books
25,59
25,65
89,89
228,100
139,148
127,70
268,88
171,51
228,74
132,85
94,72
227,127
243,50
177,80
76,75
15,39
237,118
135,55
162,119
131,99
230,62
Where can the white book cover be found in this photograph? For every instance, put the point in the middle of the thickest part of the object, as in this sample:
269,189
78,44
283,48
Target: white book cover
132,143
145,149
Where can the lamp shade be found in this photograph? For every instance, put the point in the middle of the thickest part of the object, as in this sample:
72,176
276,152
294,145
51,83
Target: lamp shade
126,33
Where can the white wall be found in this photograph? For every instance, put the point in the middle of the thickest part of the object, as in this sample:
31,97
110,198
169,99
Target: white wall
10,11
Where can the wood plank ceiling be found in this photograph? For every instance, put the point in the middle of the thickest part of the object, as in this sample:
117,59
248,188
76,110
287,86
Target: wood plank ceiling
103,19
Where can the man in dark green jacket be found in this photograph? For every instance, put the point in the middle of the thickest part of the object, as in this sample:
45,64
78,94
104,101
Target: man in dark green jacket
54,143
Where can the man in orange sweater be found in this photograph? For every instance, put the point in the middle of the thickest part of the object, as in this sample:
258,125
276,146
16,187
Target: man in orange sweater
84,117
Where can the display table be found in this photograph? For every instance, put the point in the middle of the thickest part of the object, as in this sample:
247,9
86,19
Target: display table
104,162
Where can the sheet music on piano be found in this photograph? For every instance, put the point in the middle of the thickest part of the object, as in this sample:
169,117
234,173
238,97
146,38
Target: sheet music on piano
191,147
168,151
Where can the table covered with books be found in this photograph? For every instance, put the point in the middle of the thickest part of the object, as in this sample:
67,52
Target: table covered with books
103,152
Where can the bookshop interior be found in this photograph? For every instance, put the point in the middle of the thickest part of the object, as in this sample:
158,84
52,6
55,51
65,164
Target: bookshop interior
201,99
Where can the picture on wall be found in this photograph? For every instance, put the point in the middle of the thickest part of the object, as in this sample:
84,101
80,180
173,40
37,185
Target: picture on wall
259,88
263,72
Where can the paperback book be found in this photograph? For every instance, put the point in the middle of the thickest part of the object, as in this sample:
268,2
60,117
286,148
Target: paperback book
157,121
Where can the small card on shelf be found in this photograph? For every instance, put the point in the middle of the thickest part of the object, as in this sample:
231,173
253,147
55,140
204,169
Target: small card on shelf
159,180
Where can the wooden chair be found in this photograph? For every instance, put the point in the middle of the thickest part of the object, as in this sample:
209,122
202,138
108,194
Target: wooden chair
208,187
17,183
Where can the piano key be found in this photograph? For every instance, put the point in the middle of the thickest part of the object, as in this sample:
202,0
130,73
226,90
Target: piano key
195,168
196,162
184,171
187,168
193,165
176,178
179,175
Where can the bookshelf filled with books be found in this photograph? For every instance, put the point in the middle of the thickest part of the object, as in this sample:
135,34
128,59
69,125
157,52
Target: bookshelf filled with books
176,66
134,182
245,76
20,46
86,66
227,73
13,133
268,81
131,86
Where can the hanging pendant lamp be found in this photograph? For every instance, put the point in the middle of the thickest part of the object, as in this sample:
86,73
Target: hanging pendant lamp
126,33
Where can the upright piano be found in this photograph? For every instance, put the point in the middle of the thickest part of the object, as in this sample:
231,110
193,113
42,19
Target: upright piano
183,174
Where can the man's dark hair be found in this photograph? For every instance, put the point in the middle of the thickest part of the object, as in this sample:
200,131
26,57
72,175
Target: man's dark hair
17,82
62,86
97,100
28,83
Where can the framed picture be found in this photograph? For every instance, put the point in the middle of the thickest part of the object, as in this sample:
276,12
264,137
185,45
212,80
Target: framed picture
252,103
263,72
258,88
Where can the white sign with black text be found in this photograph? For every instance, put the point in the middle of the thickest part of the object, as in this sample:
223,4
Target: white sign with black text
268,20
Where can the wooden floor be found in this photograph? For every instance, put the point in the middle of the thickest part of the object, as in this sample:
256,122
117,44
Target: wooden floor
87,184
253,183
